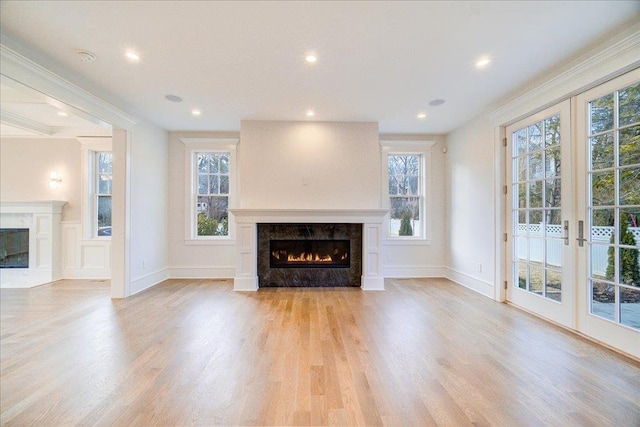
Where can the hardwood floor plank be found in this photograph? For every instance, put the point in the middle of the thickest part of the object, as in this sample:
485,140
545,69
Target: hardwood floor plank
194,352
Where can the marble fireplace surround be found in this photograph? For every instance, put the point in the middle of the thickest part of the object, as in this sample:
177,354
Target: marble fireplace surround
246,278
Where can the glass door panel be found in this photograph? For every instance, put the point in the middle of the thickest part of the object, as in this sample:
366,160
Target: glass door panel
538,201
614,205
608,155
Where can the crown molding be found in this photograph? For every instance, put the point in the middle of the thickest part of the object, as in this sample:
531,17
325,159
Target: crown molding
418,145
201,141
601,64
24,123
22,69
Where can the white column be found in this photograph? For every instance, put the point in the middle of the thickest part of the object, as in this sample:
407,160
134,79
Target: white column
246,278
372,278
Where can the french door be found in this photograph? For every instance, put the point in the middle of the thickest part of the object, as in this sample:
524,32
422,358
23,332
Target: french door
573,213
539,212
608,135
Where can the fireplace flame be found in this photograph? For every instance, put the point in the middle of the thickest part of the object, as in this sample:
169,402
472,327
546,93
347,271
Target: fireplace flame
306,257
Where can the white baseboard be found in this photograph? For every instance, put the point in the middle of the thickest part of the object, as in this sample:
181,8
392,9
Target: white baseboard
468,281
201,272
147,281
245,284
372,283
87,273
412,271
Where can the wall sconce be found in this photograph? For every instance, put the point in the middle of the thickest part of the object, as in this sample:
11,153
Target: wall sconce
54,180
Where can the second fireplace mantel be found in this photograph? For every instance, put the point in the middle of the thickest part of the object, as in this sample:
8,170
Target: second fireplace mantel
246,278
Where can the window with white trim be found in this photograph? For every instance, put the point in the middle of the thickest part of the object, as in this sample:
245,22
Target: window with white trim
405,195
212,193
102,183
97,187
404,166
210,173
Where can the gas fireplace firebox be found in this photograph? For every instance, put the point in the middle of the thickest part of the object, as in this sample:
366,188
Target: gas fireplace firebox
310,255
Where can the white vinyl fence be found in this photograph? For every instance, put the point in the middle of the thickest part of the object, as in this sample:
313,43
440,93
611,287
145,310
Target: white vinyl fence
599,235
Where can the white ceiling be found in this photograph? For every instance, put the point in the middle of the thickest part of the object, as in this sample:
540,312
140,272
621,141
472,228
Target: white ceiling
377,61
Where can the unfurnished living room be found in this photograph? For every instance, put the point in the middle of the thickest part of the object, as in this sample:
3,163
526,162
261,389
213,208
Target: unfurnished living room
344,213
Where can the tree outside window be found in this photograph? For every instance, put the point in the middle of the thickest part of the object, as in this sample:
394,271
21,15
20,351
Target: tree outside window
212,198
405,194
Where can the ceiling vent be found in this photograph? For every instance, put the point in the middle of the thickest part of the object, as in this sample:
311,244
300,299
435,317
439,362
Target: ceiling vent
86,56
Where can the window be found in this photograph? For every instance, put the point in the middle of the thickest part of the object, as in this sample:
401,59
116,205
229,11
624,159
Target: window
210,171
97,184
405,194
405,172
103,179
212,198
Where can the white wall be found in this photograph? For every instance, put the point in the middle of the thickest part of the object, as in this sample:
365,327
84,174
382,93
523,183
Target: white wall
422,258
149,198
341,166
339,162
474,162
470,213
25,165
216,260
309,165
24,175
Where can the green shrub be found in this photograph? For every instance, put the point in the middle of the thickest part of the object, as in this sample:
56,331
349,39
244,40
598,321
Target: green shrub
629,270
211,227
405,225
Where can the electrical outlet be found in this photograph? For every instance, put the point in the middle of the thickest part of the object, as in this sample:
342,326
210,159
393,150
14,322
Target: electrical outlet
479,268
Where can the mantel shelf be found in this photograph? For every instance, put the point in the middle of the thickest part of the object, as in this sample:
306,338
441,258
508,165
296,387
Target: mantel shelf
371,216
31,206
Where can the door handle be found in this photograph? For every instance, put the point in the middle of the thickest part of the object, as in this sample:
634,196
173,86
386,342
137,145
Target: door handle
566,233
581,238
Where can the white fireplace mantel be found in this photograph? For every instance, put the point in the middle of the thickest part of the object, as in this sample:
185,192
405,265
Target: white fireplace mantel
42,218
246,278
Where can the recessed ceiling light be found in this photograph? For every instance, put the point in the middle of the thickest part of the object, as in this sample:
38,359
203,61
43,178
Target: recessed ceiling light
422,115
310,113
173,98
62,114
436,102
195,112
483,62
311,58
132,56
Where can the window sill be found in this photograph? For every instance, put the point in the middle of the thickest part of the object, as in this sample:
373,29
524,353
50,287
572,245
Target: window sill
215,241
104,239
397,241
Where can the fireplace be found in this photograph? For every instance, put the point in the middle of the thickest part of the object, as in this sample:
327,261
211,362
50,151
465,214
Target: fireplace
310,255
14,248
253,267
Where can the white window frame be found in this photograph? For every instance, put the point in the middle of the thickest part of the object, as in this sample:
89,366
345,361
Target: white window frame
91,146
193,146
420,148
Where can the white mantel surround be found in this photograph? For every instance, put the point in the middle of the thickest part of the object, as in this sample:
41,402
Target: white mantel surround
42,218
246,278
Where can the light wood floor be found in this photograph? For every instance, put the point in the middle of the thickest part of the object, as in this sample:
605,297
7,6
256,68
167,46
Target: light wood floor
424,352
